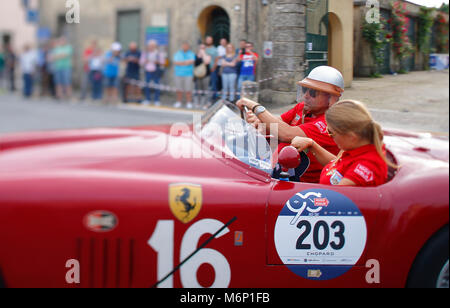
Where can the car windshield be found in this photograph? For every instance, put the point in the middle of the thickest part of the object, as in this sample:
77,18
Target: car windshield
223,127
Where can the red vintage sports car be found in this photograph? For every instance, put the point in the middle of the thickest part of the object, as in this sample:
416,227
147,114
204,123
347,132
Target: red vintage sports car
196,206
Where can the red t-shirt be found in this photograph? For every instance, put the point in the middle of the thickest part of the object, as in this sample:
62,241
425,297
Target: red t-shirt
248,65
86,54
315,127
364,166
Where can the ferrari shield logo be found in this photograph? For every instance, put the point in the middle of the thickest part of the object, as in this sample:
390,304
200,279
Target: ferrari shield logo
185,201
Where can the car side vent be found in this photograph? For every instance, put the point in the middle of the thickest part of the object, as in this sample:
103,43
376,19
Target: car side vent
106,263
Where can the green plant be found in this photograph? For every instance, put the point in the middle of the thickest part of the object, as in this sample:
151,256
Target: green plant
378,38
399,24
442,34
425,23
444,8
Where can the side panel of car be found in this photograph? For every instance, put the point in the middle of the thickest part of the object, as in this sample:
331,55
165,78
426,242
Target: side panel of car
133,232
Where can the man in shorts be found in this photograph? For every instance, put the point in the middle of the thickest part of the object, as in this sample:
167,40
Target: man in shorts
61,57
111,72
184,75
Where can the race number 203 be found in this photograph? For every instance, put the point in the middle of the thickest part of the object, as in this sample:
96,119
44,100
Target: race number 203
320,234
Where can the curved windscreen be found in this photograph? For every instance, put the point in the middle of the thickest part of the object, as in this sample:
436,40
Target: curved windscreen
222,126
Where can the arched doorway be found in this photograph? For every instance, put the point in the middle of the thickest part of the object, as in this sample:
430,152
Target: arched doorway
214,21
335,42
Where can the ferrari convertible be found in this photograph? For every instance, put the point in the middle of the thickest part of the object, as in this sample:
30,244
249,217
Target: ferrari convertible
195,206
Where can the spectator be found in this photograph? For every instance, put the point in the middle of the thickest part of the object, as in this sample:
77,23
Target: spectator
2,69
153,61
240,51
202,77
184,75
111,72
248,68
10,61
50,67
229,73
85,77
211,50
221,52
42,68
95,67
61,57
242,45
132,72
28,64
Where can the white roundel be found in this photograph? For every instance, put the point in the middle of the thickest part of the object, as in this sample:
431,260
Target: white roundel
320,234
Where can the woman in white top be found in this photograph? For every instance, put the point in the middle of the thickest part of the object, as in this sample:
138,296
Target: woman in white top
152,60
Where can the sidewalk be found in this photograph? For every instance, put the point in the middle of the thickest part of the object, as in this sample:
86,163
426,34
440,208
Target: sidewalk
418,101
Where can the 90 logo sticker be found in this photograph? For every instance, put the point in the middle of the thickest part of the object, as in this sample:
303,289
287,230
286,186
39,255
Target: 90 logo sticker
320,234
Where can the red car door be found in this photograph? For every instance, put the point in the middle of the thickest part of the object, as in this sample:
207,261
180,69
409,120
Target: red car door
318,236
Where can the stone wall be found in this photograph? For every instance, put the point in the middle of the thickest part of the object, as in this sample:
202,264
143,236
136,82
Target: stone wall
286,29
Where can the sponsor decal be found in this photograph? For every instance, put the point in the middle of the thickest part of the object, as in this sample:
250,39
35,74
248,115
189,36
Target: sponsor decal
314,274
322,127
100,221
297,119
365,173
336,178
238,238
185,201
321,202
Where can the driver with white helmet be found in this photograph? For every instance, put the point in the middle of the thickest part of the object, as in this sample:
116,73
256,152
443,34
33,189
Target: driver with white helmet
319,91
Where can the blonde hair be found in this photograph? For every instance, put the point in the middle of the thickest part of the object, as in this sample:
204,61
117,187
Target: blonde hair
351,116
233,50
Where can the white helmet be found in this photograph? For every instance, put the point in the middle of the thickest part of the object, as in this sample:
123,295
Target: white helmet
326,79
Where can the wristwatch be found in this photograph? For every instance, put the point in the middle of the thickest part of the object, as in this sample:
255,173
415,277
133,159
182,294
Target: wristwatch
258,110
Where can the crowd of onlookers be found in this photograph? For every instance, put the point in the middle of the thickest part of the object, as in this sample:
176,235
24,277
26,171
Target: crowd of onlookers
213,70
201,76
51,66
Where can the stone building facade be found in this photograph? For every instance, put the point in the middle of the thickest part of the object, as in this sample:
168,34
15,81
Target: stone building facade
363,63
279,24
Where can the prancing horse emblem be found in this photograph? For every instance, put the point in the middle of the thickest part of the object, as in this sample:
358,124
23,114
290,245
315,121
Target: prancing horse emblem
185,201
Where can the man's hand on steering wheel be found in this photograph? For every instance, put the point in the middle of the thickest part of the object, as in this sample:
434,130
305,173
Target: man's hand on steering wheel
245,102
253,120
246,105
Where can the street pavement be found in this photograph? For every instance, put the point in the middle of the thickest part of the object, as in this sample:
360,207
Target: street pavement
44,114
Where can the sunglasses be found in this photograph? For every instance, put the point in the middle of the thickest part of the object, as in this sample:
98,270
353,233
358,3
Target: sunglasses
312,93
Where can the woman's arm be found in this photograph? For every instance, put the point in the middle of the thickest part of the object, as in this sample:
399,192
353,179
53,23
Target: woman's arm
323,156
347,182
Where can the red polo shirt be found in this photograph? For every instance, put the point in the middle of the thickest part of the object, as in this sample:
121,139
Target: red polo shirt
315,128
364,166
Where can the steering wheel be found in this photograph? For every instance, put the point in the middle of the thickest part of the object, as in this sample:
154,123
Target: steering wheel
244,113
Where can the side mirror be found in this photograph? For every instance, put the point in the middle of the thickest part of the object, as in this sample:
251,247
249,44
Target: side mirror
289,158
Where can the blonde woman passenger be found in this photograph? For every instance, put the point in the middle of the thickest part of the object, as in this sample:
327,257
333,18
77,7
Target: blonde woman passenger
362,160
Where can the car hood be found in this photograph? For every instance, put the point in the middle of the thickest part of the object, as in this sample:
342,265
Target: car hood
141,150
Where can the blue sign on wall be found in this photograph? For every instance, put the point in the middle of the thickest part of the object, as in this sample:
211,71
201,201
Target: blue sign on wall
32,16
159,34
